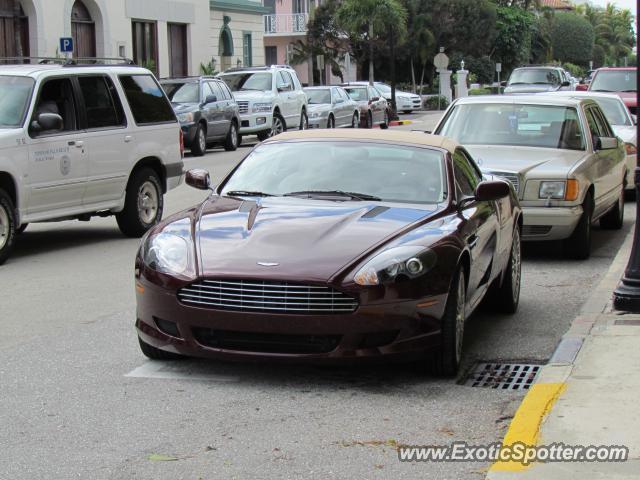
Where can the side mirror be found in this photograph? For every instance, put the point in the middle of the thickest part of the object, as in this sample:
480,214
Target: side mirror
198,178
47,121
210,99
284,86
375,99
582,87
503,84
565,84
605,143
492,190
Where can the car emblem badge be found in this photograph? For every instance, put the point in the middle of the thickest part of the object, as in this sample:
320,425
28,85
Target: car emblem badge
268,264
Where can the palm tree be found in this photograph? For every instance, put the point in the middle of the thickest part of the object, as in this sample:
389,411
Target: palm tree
375,17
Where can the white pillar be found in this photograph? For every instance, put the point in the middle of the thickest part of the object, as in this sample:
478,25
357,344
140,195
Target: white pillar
461,87
445,84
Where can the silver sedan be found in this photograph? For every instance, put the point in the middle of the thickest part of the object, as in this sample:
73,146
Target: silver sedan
331,107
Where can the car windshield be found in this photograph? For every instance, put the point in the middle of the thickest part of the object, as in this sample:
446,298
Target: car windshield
318,96
546,126
383,87
393,173
614,81
357,94
238,82
182,92
15,93
534,75
614,110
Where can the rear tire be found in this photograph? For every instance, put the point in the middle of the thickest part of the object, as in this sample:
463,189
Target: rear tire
385,124
331,123
156,354
505,298
7,226
614,218
231,141
355,120
199,147
262,136
446,359
578,245
143,203
304,121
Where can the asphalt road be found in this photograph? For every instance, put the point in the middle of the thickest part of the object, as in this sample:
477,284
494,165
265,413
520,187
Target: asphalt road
78,399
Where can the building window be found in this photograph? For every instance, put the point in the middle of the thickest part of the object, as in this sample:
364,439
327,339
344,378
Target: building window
247,57
177,49
14,30
145,44
83,30
270,55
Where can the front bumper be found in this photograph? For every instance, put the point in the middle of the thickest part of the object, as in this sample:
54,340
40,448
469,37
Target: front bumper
408,104
318,122
549,223
391,331
255,122
631,166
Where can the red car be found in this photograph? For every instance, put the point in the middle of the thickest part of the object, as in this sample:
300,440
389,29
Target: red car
330,246
620,80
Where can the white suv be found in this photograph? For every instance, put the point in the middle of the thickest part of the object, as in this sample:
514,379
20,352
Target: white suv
80,141
270,99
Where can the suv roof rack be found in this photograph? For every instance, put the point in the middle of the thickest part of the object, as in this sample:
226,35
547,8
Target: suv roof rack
68,62
190,77
262,67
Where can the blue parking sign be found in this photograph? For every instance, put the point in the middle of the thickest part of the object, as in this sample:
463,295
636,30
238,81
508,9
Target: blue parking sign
66,44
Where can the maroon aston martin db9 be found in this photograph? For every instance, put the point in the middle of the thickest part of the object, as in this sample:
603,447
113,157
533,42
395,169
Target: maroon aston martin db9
331,246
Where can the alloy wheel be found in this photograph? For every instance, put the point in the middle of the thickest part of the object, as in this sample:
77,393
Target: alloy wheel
5,227
276,126
147,202
234,135
516,265
460,316
202,141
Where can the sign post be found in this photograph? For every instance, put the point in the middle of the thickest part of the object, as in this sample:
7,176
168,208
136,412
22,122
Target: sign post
498,70
320,62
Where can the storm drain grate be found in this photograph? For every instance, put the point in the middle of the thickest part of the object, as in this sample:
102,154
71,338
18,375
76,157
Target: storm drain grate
503,376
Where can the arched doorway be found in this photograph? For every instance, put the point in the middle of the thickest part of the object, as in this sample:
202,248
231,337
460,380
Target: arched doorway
83,30
225,45
14,30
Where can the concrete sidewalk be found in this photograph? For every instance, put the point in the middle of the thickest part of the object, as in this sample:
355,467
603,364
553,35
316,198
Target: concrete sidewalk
588,393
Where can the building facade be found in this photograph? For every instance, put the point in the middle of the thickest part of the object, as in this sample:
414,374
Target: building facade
167,36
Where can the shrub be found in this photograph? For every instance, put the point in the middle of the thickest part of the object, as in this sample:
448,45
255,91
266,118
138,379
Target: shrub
572,38
574,70
431,103
480,91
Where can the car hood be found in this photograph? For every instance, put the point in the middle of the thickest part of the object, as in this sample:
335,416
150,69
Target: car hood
310,239
530,88
253,95
630,99
406,95
525,160
318,107
184,107
8,137
627,133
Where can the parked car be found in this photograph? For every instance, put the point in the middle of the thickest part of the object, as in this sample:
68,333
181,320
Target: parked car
621,80
331,107
537,79
270,99
561,154
405,102
623,123
332,245
207,112
80,141
374,109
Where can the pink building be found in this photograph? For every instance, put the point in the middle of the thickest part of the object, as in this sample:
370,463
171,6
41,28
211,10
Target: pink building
287,25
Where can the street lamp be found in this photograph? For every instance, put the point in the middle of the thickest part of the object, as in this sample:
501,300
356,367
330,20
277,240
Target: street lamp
626,296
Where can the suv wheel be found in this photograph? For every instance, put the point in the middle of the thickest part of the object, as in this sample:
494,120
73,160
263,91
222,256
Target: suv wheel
199,147
143,203
231,142
262,136
277,126
304,121
7,226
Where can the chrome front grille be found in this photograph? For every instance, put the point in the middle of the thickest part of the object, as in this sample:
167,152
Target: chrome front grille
511,176
266,296
243,106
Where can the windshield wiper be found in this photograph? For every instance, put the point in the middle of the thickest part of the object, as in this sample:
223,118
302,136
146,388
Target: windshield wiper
352,195
517,83
600,90
628,91
247,193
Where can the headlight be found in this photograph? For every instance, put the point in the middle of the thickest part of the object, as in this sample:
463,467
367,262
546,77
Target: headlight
185,117
552,190
261,107
167,253
387,266
630,148
315,115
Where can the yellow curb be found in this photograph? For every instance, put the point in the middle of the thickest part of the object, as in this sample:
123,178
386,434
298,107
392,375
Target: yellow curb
402,122
525,426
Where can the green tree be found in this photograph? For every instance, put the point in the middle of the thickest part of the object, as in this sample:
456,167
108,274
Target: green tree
572,38
512,45
372,20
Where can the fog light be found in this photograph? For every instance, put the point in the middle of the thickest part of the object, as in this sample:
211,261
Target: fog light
414,266
261,120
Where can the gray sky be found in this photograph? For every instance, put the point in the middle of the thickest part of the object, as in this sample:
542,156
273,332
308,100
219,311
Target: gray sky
628,4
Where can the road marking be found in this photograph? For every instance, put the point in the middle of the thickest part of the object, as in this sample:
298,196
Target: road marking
177,370
525,426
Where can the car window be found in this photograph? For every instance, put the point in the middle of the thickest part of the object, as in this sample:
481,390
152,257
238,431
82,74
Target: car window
226,94
373,92
284,78
343,94
357,94
260,81
101,102
148,103
15,94
318,96
56,96
187,92
547,126
603,124
614,81
466,176
614,110
390,172
335,93
215,89
594,125
534,76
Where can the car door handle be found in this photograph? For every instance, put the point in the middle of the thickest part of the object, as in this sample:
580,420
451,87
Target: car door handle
127,138
76,143
472,241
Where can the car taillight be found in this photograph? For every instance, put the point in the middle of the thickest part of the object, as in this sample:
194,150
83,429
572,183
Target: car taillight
181,144
630,148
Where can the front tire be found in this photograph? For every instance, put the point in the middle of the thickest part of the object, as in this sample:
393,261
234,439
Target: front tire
385,124
7,226
304,121
156,354
277,126
578,245
355,121
407,111
447,358
262,136
614,218
199,147
369,123
231,142
143,203
331,122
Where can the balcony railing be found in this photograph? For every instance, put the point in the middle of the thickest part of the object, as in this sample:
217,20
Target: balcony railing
286,23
